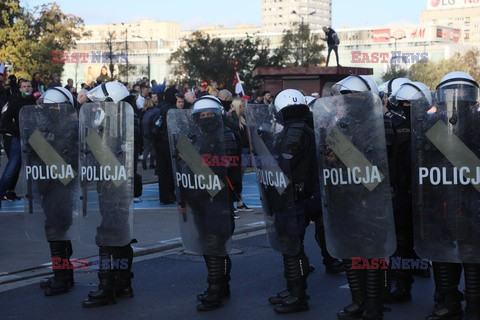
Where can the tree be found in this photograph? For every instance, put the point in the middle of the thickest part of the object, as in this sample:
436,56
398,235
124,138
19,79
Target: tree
430,73
110,54
203,58
15,46
395,72
35,40
300,47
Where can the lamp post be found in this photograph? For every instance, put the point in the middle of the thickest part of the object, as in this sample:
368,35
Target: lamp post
302,35
126,44
148,55
396,38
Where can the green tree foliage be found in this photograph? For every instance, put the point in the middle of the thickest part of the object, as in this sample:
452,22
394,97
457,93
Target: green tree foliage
14,43
395,72
431,72
30,36
300,48
203,58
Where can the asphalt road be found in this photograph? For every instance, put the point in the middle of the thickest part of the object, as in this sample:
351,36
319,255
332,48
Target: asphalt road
166,284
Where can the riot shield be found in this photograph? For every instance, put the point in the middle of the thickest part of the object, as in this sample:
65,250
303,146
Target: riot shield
200,165
353,172
49,139
274,181
446,176
106,169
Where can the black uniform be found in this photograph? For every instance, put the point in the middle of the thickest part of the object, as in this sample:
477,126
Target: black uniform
397,131
114,208
459,222
59,127
162,151
214,224
295,145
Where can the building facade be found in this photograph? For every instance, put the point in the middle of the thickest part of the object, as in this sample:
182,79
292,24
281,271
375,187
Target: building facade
460,14
283,14
446,27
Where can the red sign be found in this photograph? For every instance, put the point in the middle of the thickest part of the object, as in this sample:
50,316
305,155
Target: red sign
381,35
418,33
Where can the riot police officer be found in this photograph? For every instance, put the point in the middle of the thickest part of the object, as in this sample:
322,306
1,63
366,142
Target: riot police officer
198,141
113,235
457,102
294,148
397,131
355,103
387,88
314,211
55,118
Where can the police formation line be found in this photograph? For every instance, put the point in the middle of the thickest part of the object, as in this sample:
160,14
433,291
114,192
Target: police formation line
396,172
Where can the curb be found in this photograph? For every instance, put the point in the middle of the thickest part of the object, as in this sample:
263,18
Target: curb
45,270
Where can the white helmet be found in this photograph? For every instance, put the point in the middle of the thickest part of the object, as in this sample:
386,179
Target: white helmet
116,91
207,103
309,99
289,97
457,78
392,85
410,91
355,83
57,95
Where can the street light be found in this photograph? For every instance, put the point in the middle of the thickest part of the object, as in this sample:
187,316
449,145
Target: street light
396,38
126,44
302,31
148,55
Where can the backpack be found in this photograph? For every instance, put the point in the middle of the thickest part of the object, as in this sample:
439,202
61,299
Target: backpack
151,122
336,39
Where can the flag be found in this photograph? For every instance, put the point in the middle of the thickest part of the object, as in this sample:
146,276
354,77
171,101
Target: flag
238,85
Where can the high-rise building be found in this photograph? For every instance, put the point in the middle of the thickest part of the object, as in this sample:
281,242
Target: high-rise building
461,14
282,14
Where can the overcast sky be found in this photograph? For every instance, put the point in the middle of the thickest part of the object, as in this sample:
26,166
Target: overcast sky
193,13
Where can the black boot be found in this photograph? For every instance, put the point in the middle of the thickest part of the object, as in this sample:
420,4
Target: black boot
218,283
62,279
373,294
472,290
356,283
124,275
278,298
402,292
296,272
332,265
447,278
106,275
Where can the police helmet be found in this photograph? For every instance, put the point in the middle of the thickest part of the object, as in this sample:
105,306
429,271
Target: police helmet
310,100
355,83
457,78
392,85
290,103
410,91
467,86
57,95
289,98
108,91
207,103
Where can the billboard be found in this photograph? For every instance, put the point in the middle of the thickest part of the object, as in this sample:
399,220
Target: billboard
451,4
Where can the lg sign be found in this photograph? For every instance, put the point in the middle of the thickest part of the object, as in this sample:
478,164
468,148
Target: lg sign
451,4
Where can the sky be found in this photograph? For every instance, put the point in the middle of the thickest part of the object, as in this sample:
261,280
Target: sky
193,13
